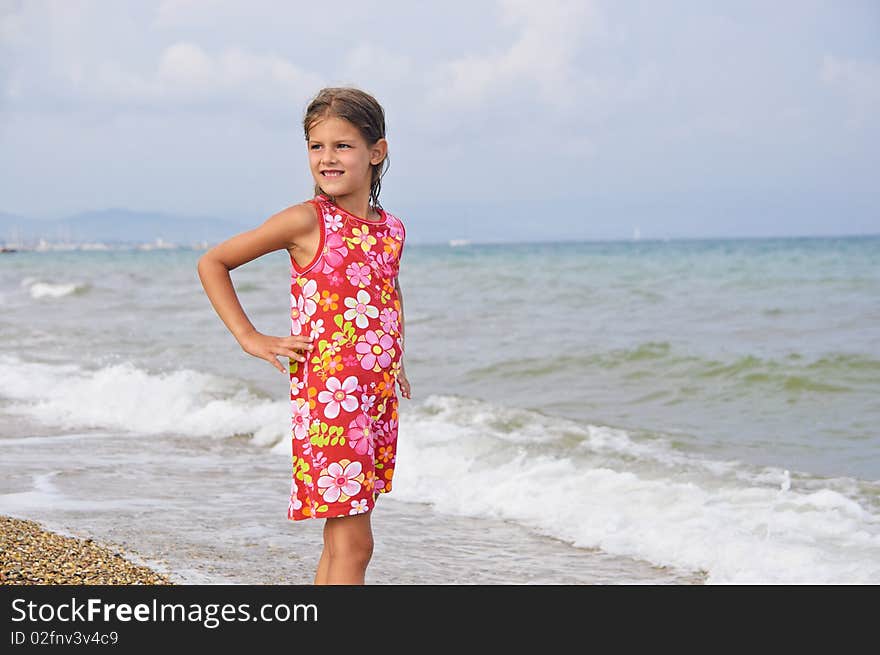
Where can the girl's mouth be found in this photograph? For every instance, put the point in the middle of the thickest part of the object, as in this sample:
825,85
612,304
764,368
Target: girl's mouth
331,173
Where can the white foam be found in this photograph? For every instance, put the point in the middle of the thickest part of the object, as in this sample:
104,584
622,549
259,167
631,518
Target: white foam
41,289
634,499
125,397
55,439
44,493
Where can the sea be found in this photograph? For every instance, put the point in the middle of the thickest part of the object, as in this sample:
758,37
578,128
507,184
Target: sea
678,411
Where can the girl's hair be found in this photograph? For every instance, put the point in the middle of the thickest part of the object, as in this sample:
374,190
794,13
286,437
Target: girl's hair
361,110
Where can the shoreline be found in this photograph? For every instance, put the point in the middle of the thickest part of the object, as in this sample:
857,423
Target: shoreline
31,554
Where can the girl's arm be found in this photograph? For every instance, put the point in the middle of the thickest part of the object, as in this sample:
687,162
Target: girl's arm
280,231
405,387
400,297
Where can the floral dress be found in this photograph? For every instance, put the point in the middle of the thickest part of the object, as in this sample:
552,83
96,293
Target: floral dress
343,397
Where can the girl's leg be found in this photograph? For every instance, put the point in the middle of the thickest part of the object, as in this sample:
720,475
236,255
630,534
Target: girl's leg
324,562
350,541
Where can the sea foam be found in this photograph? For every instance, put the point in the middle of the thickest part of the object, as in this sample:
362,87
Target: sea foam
40,289
125,397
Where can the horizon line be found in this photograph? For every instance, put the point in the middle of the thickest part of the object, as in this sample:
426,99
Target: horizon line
449,243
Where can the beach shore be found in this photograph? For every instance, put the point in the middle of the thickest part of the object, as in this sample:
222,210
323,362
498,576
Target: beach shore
32,555
214,514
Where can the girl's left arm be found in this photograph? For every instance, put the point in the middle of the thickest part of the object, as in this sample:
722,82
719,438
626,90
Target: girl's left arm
401,378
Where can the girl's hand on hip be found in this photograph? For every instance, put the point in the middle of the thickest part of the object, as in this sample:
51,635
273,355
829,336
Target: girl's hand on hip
269,348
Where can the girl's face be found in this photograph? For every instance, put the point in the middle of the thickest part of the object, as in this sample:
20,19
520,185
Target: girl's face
339,157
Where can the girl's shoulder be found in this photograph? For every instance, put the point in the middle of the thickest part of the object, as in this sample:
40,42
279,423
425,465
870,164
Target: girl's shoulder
303,215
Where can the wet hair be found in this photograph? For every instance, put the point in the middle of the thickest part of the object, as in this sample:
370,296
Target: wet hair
361,110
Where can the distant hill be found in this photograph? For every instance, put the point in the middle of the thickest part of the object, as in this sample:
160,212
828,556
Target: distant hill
119,226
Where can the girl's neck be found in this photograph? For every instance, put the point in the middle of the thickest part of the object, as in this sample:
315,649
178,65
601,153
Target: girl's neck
357,206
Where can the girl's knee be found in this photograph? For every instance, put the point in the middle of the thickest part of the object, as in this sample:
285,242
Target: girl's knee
352,552
349,539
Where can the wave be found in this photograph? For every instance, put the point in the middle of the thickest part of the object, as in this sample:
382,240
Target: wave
39,289
599,487
125,397
643,496
834,372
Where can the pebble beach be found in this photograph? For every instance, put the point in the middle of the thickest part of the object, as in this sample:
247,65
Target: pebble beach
32,555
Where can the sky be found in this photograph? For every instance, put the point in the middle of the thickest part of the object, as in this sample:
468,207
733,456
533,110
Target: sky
506,120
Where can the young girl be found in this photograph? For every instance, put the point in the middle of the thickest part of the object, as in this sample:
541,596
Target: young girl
345,347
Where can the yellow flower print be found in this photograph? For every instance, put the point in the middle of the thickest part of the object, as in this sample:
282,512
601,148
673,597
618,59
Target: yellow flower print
395,368
361,236
385,295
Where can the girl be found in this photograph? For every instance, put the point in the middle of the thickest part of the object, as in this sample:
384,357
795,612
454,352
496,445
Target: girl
345,346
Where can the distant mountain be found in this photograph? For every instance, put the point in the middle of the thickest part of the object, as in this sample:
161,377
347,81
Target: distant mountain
119,226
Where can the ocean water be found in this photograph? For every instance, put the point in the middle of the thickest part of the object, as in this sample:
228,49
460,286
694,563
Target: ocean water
598,412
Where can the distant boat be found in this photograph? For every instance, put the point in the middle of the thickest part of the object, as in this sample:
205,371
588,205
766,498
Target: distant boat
459,242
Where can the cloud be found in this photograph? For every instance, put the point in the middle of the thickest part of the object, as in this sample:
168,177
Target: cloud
184,75
541,58
186,71
858,81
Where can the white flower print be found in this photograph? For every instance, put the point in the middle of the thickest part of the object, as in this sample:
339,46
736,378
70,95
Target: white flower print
297,316
317,328
310,296
339,394
340,481
359,506
295,503
360,309
303,306
334,221
367,402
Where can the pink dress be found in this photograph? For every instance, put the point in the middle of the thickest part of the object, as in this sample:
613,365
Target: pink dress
343,397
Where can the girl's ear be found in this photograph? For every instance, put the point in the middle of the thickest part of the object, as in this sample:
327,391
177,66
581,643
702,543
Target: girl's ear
378,151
